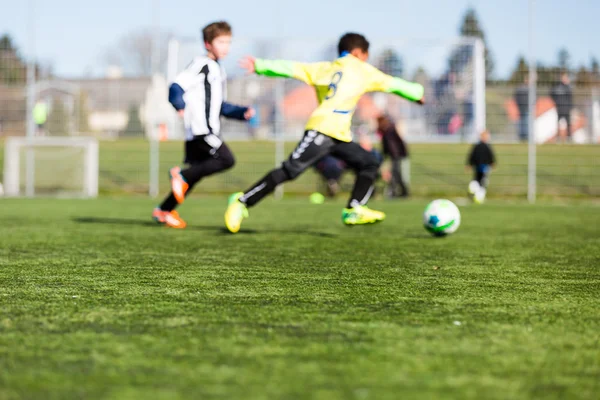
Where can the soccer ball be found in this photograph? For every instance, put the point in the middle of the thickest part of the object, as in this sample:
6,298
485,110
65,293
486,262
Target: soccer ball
441,217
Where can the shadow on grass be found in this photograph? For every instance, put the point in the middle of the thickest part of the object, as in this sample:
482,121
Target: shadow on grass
221,230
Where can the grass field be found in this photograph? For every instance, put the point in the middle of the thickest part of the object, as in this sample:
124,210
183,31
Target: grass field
98,302
436,169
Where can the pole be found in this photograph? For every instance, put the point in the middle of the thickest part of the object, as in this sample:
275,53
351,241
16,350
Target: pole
279,98
30,124
531,182
154,139
279,134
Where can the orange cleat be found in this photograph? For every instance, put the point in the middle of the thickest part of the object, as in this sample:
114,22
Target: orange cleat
173,220
159,215
178,185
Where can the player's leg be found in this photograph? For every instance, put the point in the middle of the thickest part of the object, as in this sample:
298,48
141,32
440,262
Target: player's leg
397,178
569,127
480,178
312,147
218,159
205,156
365,166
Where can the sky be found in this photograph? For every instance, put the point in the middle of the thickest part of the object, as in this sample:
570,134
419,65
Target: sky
73,35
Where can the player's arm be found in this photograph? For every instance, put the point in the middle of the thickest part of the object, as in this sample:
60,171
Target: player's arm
493,158
184,81
176,93
233,111
470,159
304,72
380,82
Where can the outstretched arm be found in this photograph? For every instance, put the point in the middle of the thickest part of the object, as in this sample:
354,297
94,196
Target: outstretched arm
409,90
234,111
381,82
281,68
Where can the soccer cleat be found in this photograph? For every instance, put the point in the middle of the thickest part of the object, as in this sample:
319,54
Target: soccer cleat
178,185
159,215
173,220
479,196
473,187
361,215
236,212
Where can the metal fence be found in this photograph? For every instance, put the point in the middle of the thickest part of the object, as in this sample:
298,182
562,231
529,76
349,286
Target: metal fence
131,117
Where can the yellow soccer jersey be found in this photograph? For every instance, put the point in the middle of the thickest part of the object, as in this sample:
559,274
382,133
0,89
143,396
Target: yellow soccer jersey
339,85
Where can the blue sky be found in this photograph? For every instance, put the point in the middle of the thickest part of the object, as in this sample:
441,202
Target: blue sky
73,34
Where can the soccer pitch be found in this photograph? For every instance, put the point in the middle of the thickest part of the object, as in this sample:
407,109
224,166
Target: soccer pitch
96,301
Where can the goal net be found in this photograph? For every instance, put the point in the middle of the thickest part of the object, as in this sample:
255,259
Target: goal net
452,71
51,166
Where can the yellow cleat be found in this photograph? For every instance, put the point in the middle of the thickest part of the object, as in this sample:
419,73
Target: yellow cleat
236,212
361,215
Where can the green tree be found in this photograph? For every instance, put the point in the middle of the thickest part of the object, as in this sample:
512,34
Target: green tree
564,60
391,62
595,67
471,27
521,70
134,125
58,120
13,69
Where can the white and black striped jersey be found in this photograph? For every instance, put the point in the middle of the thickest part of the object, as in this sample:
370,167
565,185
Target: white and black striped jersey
204,84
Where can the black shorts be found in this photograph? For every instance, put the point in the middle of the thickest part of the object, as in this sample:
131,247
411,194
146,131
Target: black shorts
203,148
315,145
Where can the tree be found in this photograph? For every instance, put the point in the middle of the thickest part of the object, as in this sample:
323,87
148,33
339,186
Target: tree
595,66
517,77
134,52
13,69
391,62
564,60
134,125
58,119
471,27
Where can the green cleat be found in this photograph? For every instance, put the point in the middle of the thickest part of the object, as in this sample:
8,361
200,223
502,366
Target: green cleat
361,215
236,212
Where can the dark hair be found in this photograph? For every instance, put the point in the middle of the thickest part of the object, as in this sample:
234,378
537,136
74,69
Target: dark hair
351,41
214,30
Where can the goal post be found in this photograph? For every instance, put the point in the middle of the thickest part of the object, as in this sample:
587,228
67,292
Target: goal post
62,166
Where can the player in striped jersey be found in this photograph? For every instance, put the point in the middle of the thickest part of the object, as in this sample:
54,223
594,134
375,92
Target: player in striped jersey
199,95
339,85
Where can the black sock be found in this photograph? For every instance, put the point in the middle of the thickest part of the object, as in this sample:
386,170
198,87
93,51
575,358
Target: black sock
169,203
263,187
363,188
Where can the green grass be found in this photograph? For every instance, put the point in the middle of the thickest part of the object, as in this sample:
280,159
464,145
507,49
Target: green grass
436,169
96,302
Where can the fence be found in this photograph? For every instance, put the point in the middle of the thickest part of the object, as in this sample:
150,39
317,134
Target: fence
124,111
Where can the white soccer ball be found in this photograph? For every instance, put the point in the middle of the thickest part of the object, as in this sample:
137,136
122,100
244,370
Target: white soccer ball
1,190
441,217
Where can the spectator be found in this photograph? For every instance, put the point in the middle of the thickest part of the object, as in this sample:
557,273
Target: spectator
522,100
563,99
40,116
396,149
481,160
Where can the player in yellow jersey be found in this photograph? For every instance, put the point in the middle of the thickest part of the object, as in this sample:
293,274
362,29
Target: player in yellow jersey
339,84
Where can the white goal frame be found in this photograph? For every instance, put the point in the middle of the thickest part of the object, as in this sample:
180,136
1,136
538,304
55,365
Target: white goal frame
12,162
